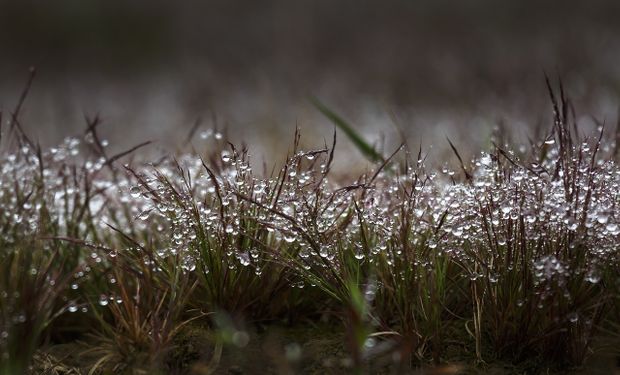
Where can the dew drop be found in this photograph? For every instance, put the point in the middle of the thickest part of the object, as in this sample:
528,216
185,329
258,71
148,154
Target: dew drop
602,218
244,259
135,191
612,228
144,215
573,317
206,134
593,277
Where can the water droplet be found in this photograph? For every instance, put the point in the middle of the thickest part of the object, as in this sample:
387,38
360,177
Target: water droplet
244,258
602,218
135,191
593,276
613,228
370,343
144,215
206,134
573,317
486,160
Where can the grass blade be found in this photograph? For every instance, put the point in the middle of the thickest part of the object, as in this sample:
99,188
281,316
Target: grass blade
364,147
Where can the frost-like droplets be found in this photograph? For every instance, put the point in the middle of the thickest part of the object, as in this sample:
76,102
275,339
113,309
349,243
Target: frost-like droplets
506,208
612,228
593,276
458,232
103,300
72,307
135,191
144,215
573,317
486,160
602,217
206,134
189,265
244,258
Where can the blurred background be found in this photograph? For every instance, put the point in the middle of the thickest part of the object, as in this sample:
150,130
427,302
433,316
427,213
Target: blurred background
394,68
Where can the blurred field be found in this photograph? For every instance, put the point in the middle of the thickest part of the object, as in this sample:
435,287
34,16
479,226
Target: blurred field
428,68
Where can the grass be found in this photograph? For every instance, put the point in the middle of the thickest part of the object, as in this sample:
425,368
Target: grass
511,259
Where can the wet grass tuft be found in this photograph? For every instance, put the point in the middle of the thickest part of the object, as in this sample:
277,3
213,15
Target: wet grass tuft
175,266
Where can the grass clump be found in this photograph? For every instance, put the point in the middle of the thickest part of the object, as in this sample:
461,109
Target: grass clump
516,260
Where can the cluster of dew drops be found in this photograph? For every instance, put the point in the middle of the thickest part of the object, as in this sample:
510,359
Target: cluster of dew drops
485,213
185,204
40,192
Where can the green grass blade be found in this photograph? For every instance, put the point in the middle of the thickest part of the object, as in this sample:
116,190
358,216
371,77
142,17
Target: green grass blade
364,147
